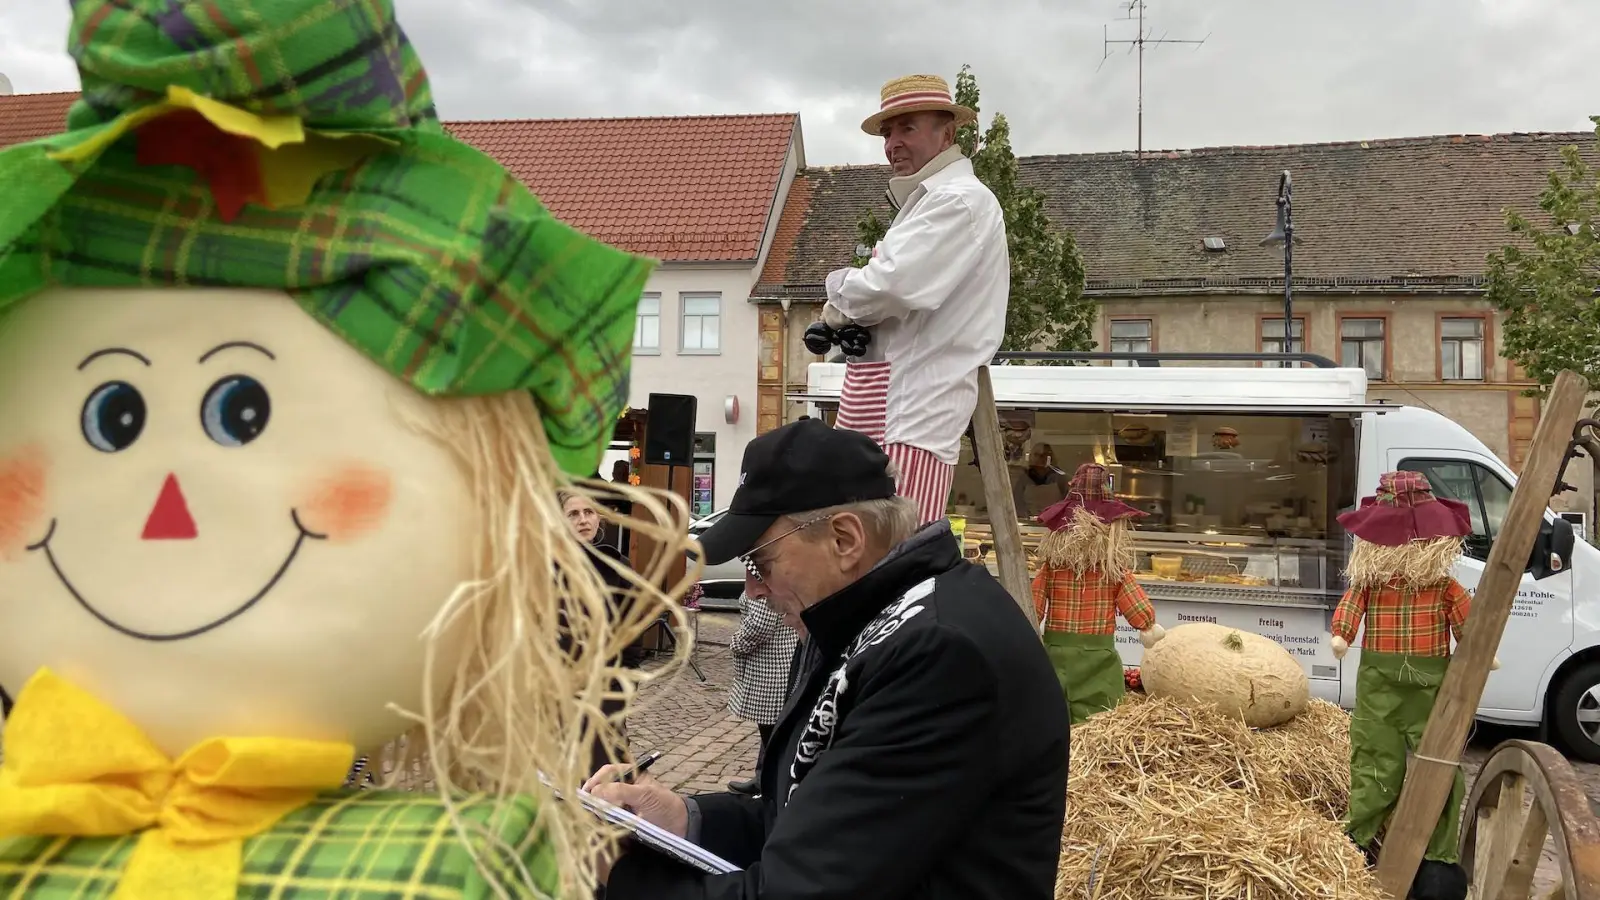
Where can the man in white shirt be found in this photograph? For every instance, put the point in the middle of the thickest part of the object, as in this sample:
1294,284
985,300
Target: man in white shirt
933,295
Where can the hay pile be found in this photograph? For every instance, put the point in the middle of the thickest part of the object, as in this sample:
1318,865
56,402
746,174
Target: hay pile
1170,802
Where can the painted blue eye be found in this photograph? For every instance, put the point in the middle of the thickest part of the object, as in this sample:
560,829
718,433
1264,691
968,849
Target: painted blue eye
235,411
113,416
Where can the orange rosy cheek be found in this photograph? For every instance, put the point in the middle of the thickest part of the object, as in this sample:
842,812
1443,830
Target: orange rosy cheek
348,503
22,478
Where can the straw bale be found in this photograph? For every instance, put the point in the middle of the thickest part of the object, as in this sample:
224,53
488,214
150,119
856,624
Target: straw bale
1177,802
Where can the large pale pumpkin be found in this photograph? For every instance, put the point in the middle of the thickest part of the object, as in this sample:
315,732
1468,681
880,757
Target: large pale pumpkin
1239,672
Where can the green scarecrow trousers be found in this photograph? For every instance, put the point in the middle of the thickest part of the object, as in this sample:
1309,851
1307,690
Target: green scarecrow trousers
1089,669
1394,695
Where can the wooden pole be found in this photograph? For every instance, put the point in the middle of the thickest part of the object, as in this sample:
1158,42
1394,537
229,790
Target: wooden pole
990,450
1433,767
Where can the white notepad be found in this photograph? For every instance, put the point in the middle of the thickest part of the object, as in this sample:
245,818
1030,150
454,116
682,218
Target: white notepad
654,836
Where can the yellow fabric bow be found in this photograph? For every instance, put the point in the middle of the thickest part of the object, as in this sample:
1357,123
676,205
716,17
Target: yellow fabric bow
75,767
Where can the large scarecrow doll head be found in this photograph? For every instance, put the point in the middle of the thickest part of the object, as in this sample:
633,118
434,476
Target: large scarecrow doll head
1404,534
289,381
1089,528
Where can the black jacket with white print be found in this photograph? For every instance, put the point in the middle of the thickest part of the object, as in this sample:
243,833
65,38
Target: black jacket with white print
921,754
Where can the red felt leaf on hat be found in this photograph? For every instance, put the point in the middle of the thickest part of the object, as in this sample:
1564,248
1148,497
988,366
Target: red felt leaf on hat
227,162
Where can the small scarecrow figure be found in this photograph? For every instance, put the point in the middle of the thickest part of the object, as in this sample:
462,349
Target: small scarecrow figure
1406,545
1085,581
290,381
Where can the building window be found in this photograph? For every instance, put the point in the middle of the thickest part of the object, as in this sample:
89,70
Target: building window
702,323
1461,349
1272,340
647,325
1131,336
1361,346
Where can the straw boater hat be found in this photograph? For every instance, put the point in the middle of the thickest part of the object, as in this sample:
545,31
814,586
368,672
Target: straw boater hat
917,93
1087,490
1405,510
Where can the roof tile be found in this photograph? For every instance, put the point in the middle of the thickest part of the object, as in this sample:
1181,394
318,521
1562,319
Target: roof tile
1401,210
692,188
27,117
795,209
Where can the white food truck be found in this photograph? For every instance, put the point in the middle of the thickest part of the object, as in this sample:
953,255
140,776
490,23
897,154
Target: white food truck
1243,472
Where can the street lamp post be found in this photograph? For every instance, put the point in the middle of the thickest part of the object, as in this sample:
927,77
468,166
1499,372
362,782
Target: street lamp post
1284,231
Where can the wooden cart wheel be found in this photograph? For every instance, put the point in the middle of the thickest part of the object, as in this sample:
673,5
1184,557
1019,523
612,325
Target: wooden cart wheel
1526,797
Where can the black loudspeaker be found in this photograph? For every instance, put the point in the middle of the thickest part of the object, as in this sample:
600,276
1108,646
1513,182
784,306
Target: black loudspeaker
669,432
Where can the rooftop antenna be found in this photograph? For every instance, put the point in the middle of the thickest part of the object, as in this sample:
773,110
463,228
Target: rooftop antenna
1134,11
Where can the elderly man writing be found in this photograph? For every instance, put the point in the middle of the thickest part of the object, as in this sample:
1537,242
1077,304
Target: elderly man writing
923,750
933,296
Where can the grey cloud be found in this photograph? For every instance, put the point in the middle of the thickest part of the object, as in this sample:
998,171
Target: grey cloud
1312,70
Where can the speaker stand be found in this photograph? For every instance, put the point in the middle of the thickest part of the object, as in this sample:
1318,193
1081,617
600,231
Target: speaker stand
694,646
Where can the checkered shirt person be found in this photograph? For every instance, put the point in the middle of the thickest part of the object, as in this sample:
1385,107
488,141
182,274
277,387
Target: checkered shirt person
1402,621
762,650
1089,603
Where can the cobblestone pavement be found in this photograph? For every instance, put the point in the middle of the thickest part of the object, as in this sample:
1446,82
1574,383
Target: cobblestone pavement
706,747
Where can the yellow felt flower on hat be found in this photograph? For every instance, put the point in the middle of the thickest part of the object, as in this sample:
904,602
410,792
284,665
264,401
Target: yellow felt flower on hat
75,767
279,155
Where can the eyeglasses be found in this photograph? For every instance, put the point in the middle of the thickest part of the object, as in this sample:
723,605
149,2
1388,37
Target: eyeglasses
749,558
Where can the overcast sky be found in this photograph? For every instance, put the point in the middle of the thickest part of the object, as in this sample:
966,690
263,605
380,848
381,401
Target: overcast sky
1270,73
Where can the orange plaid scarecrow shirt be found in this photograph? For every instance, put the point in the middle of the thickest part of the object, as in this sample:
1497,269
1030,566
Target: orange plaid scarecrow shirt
1410,623
1089,603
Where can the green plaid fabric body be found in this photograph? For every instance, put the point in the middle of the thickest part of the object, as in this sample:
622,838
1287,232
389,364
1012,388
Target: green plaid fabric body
370,845
426,256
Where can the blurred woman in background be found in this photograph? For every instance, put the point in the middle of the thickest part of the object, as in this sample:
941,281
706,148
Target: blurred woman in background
586,524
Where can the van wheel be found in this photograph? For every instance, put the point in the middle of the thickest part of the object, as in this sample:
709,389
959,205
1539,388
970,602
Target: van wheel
1575,712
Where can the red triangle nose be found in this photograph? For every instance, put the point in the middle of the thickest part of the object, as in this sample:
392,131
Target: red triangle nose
170,520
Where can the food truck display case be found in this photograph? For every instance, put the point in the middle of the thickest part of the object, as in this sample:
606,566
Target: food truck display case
1241,474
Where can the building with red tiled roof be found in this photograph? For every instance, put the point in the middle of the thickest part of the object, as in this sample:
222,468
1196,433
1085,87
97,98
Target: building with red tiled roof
27,117
700,193
1390,244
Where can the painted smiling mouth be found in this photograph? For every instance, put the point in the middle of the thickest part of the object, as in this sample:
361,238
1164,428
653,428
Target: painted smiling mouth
302,534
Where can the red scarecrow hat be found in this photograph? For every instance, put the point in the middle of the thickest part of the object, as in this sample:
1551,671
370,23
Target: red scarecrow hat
1087,490
1405,510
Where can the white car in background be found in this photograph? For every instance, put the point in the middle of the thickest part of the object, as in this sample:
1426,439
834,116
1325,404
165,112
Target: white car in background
724,583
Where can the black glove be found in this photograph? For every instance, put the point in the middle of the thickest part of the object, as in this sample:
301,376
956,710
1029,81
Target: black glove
853,339
819,338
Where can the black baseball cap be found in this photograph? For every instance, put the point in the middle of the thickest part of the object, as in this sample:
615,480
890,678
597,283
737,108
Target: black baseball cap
802,466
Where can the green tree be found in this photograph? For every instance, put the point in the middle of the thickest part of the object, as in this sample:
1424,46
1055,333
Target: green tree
1545,281
869,231
1047,309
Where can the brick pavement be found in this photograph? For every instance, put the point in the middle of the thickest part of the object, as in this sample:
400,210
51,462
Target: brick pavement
705,746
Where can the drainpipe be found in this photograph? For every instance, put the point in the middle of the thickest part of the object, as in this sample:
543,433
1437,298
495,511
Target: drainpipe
783,363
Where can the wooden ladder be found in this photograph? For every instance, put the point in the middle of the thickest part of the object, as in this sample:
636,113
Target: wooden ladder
989,448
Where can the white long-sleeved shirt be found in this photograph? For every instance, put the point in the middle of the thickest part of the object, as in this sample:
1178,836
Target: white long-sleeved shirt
934,296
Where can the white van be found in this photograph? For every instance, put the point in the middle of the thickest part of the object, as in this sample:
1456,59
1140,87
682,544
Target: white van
1244,471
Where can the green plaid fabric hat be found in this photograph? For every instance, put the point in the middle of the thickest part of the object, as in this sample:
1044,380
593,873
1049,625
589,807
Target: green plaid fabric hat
293,145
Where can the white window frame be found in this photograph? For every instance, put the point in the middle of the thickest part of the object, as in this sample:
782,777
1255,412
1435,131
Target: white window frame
1286,339
1460,342
1128,344
1371,353
684,317
639,318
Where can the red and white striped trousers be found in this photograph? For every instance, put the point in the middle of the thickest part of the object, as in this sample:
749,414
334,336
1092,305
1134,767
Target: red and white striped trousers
864,407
